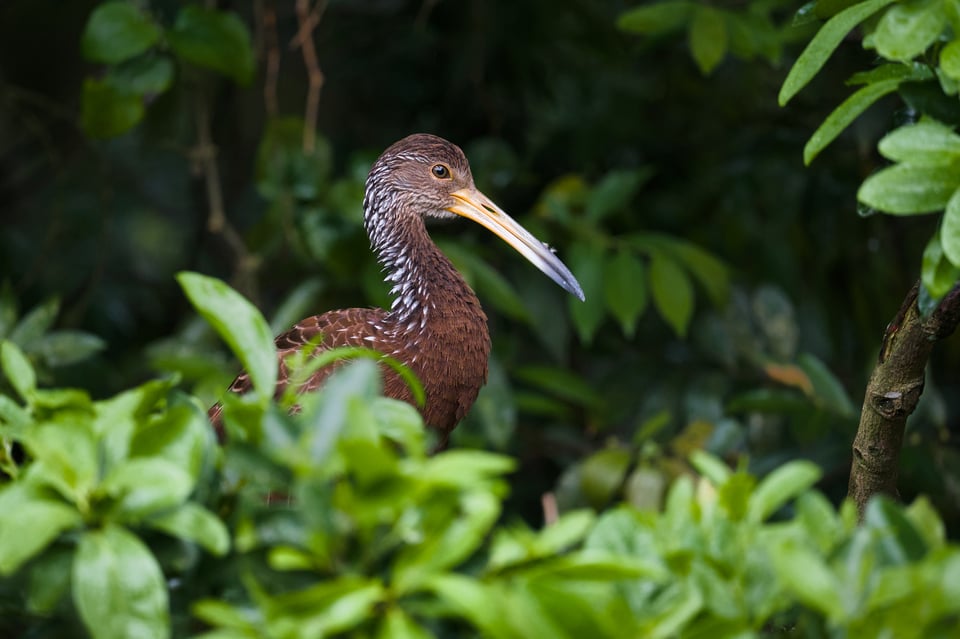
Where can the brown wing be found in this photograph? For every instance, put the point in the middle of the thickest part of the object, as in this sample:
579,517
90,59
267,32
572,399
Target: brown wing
348,327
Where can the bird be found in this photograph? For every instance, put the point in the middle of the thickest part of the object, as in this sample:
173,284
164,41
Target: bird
435,324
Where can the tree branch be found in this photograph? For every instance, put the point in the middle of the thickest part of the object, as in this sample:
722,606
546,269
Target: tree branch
308,21
893,391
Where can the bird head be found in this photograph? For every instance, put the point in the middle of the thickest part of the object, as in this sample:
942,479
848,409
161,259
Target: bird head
425,176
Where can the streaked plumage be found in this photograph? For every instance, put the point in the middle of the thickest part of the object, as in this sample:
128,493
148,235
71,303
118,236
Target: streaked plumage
435,324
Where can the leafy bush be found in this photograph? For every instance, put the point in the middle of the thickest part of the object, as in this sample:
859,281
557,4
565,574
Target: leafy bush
123,512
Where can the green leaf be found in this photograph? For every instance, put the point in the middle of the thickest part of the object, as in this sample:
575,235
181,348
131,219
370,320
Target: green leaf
106,112
34,324
903,189
240,325
144,75
841,117
908,28
950,229
17,370
562,383
900,543
39,520
712,274
625,289
215,40
67,455
672,292
62,348
614,192
397,624
118,31
194,523
586,260
808,576
142,486
823,44
710,467
602,474
780,486
937,273
49,580
488,282
656,18
118,587
708,38
950,59
927,143
827,389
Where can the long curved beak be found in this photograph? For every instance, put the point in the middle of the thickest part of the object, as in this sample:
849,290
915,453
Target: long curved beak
474,205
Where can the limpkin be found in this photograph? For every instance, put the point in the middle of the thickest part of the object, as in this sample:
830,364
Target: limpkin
435,325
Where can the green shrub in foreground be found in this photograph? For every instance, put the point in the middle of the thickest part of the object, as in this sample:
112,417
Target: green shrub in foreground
122,518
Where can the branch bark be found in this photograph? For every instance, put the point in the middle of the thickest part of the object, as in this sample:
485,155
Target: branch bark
893,391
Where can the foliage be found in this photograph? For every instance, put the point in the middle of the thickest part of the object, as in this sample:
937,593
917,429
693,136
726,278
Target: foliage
916,43
336,521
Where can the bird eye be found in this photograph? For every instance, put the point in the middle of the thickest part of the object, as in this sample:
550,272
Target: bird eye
441,171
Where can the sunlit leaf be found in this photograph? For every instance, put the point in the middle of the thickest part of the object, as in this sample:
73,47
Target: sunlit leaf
823,44
141,486
118,31
903,189
809,577
17,369
950,59
118,587
240,325
907,29
927,143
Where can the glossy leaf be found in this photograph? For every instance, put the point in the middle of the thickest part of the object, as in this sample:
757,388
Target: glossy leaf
659,17
625,289
907,29
938,274
240,325
822,46
672,292
707,38
950,229
927,143
17,369
118,31
215,40
118,587
841,117
903,189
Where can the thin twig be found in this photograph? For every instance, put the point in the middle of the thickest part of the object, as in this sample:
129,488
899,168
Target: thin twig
308,21
266,11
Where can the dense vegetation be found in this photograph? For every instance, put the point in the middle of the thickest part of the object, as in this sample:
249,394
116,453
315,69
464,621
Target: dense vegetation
736,303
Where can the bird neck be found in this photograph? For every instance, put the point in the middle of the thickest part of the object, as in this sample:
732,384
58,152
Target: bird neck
427,289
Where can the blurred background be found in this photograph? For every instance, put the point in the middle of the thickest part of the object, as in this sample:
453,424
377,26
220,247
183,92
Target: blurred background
735,298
